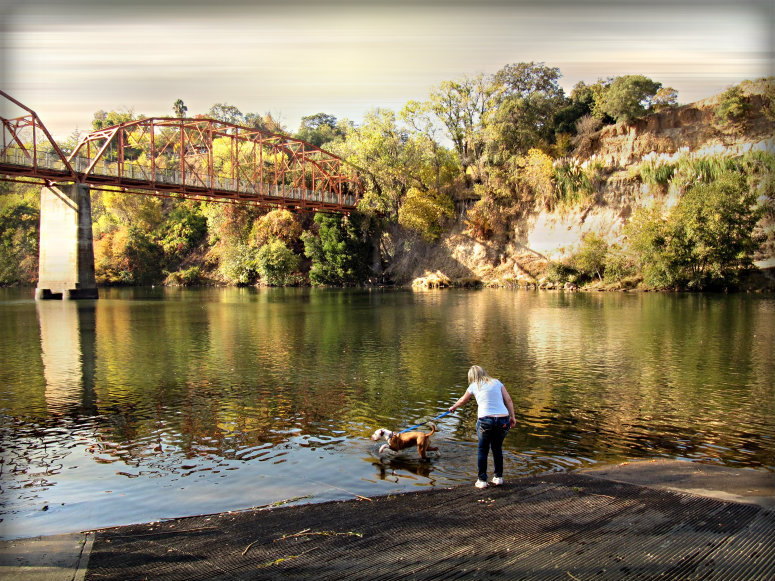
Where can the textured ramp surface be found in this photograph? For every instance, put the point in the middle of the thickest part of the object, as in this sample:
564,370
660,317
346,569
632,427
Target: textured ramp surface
561,526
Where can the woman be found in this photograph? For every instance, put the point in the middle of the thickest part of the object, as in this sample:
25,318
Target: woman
495,417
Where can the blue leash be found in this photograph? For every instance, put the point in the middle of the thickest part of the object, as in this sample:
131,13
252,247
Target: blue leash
422,424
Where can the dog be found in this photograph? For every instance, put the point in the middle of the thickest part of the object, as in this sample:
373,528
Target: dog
397,441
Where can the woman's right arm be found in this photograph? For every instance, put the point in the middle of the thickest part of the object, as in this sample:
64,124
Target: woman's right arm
461,401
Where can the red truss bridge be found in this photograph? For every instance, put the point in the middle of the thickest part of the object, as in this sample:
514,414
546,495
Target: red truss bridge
183,157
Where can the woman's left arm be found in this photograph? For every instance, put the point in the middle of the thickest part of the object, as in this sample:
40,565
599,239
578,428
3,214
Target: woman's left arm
509,406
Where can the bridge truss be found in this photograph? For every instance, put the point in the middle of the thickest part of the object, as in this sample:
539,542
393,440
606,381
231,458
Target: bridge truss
196,158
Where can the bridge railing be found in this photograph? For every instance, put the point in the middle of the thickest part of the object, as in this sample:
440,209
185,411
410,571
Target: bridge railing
21,158
172,177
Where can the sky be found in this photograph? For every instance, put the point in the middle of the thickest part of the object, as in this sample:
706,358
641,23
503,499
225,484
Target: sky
292,58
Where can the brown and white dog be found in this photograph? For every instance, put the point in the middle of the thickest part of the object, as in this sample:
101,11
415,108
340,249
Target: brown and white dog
397,441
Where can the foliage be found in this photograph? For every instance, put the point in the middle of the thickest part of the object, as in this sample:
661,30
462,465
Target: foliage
339,250
239,263
424,212
656,171
619,265
191,276
626,98
706,241
179,108
320,129
527,100
538,173
19,233
278,224
461,106
184,229
277,263
574,185
128,256
560,272
590,260
733,105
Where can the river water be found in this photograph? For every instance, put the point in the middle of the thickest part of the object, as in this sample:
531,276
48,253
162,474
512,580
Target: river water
156,403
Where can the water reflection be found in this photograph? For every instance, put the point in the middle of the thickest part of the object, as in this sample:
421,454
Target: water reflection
68,352
138,406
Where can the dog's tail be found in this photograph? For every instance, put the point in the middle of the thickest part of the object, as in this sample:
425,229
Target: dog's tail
433,430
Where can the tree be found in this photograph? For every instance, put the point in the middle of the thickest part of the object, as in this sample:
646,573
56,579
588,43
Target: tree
626,98
226,113
590,260
717,222
526,79
706,241
460,106
319,129
179,108
19,234
339,250
278,224
424,213
378,148
528,98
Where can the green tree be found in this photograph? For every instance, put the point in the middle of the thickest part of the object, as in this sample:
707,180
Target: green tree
180,108
627,97
184,228
460,106
717,221
239,263
706,241
528,97
733,105
226,113
339,250
378,149
320,129
128,256
590,260
277,263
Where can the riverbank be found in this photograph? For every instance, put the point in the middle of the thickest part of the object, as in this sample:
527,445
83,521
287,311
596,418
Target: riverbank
646,519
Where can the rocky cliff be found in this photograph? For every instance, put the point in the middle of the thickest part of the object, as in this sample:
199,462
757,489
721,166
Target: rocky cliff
542,235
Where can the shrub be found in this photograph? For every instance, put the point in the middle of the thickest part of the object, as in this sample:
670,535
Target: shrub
238,264
560,272
733,106
186,277
277,263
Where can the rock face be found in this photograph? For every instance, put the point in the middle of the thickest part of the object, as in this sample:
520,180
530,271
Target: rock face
690,130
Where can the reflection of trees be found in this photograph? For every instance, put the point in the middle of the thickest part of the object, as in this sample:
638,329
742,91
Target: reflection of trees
615,375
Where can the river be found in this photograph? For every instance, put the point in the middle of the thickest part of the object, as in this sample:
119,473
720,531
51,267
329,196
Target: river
162,402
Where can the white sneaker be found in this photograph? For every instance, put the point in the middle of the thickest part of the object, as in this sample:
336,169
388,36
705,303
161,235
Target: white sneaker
481,484
497,481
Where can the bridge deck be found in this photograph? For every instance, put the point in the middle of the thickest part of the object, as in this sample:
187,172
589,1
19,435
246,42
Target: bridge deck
560,526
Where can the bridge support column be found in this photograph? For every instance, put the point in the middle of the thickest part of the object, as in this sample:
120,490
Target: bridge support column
66,260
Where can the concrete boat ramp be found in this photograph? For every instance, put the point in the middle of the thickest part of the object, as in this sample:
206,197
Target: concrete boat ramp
645,520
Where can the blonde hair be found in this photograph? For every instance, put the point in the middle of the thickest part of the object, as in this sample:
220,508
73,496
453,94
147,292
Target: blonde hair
478,376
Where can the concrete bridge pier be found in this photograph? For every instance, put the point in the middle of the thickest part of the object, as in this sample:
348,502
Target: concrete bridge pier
66,260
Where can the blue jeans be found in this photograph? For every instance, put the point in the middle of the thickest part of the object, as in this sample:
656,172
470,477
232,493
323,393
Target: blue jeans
491,432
